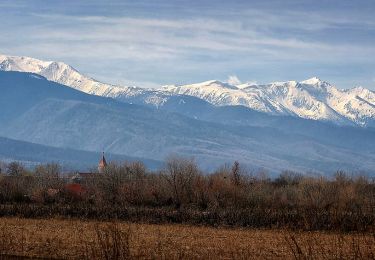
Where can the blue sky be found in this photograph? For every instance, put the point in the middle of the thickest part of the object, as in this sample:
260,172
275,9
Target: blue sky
151,43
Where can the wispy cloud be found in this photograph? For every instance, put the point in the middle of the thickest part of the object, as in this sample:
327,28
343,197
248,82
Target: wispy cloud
223,41
148,39
234,80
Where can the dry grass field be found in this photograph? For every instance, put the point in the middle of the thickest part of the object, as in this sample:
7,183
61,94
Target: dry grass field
76,239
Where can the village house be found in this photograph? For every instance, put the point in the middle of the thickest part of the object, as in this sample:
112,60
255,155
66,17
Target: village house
80,176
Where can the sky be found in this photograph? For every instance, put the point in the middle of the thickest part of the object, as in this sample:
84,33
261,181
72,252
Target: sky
158,42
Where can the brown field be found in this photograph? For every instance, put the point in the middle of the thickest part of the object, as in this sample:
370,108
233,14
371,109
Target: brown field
77,239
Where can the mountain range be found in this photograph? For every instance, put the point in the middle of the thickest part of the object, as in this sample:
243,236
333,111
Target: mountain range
52,105
310,99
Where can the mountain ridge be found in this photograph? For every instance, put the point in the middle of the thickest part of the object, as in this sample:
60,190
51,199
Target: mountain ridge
44,112
310,99
32,154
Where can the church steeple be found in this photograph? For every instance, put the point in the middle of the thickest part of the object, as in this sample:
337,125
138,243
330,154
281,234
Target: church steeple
102,164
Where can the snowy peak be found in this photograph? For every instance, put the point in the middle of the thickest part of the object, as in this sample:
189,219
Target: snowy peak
14,63
312,81
210,84
64,74
361,91
52,70
312,98
217,84
214,92
316,83
61,73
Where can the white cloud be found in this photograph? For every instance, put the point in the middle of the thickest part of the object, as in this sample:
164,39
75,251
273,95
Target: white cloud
156,39
140,46
234,80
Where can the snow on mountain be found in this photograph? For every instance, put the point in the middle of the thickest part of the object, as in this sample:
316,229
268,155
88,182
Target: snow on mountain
64,74
311,99
39,111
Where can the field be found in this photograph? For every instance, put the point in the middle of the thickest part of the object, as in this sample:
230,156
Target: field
182,212
77,239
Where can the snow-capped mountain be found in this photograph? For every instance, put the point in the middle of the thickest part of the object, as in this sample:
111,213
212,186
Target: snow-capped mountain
64,74
311,99
61,73
38,111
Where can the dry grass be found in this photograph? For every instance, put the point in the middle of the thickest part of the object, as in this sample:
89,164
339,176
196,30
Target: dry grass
75,239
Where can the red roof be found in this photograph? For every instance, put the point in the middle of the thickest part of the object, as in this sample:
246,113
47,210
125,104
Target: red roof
75,188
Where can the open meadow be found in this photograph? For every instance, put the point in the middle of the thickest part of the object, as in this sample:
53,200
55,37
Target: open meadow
77,239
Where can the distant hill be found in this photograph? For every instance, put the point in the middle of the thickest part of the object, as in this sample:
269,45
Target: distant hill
36,110
70,159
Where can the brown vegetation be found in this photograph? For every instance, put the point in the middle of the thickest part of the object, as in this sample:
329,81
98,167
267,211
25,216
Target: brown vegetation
74,239
182,193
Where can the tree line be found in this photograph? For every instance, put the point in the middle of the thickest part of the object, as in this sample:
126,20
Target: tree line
181,192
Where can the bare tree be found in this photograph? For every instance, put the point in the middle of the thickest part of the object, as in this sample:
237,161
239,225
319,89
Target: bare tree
15,169
50,170
48,175
236,173
180,174
3,166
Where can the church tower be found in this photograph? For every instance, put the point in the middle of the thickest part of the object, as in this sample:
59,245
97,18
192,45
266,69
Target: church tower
102,164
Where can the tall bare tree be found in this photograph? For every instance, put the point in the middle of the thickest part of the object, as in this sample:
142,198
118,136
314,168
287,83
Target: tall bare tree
180,174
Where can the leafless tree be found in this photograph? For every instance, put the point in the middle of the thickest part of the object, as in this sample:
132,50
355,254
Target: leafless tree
15,169
180,174
236,173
